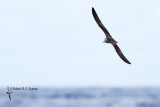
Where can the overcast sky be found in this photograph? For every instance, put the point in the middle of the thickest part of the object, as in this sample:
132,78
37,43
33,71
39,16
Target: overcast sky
57,43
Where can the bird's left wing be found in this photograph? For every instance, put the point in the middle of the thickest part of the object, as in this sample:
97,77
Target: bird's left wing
10,97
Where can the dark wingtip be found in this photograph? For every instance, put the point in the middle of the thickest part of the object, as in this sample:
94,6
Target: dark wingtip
128,62
93,9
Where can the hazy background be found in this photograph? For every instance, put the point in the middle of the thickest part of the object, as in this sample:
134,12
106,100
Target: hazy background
57,43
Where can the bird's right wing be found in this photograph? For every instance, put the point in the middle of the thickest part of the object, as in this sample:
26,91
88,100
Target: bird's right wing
99,22
8,89
119,52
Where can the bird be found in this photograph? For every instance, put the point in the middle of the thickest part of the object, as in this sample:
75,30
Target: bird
9,93
109,38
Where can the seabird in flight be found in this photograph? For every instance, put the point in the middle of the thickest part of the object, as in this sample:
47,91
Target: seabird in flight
109,38
9,93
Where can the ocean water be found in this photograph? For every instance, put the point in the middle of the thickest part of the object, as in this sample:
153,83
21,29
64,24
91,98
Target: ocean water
82,97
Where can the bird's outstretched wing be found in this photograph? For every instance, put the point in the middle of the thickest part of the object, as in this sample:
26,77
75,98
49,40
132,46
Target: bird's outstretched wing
100,23
10,97
119,52
8,89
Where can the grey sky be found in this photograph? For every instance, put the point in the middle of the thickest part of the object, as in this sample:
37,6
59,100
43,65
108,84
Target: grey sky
57,43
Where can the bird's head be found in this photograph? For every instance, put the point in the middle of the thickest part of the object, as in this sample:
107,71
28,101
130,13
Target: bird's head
106,40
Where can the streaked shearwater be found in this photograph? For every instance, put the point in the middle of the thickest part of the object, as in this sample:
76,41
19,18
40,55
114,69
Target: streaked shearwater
9,93
109,38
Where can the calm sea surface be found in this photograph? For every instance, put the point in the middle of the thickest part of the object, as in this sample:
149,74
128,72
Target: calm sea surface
82,97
